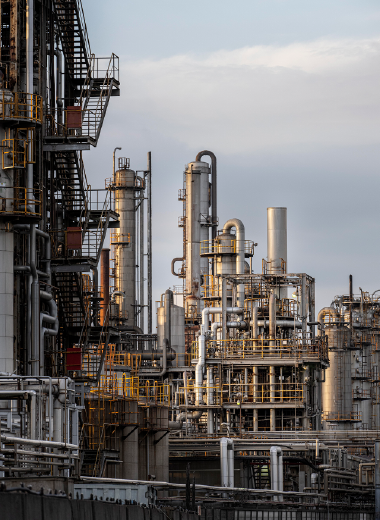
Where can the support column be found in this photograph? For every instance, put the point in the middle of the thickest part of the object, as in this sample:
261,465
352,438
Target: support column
6,301
272,389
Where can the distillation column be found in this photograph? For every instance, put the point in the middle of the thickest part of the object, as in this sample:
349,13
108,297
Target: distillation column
126,184
197,230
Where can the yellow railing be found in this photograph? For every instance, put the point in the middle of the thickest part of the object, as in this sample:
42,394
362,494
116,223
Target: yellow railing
216,247
20,105
120,239
261,348
241,393
19,201
338,416
122,386
263,393
18,152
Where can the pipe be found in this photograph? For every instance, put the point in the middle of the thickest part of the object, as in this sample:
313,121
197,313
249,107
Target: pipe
172,266
210,401
276,471
227,462
177,425
322,313
279,323
240,250
216,310
25,394
242,325
104,284
199,369
377,480
272,319
361,465
224,308
113,162
254,323
214,211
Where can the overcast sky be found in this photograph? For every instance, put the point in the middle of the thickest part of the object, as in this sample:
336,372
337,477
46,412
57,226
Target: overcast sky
284,92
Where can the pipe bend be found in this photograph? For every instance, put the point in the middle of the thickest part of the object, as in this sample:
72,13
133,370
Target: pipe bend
172,266
236,223
327,310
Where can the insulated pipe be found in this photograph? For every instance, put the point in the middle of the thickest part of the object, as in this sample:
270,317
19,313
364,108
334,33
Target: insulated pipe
272,391
240,250
214,211
29,90
322,313
224,309
217,310
377,480
279,323
104,283
230,324
177,425
210,401
276,471
113,163
254,323
199,369
173,264
272,319
231,464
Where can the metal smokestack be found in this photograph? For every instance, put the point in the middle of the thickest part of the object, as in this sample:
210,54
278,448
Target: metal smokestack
277,240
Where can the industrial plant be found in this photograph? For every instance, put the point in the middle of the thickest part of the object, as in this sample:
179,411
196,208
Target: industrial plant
234,398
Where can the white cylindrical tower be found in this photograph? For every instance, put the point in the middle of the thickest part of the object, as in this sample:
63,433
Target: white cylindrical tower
277,240
197,230
126,185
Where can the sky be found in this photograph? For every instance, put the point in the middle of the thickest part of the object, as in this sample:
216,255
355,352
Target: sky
284,92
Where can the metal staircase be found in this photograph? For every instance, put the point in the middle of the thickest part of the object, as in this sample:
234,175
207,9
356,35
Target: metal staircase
74,38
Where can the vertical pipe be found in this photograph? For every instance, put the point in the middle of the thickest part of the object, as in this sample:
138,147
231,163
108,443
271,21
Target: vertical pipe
224,309
141,262
312,306
255,328
272,391
214,209
274,470
377,480
29,85
277,244
104,283
231,463
280,473
210,401
224,474
303,305
272,320
149,242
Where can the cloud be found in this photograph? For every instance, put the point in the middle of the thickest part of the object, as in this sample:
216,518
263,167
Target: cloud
293,126
263,96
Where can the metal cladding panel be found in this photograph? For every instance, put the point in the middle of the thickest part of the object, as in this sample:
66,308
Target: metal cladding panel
138,493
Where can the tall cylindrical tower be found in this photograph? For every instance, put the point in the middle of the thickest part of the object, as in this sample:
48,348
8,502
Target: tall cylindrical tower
127,185
277,240
197,230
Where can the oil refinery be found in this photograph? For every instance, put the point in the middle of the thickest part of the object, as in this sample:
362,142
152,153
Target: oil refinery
235,398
